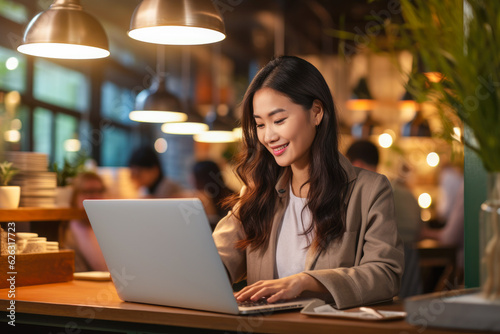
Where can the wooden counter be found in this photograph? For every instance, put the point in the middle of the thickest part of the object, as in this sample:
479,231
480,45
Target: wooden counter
47,222
95,305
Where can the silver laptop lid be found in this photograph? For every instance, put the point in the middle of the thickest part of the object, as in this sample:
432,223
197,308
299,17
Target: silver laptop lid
161,251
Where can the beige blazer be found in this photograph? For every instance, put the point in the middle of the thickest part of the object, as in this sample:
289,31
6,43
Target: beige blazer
363,267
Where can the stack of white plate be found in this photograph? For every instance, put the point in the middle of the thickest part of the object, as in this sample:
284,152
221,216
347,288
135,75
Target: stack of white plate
38,186
28,161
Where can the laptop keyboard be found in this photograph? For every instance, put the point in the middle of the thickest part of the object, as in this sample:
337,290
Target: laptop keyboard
251,303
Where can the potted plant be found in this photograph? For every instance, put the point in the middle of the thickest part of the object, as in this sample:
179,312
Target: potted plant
9,195
65,174
459,40
64,189
455,43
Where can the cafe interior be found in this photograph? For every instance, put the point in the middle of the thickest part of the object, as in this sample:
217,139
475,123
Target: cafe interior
73,125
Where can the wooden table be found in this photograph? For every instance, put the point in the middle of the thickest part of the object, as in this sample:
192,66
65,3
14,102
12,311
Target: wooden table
80,305
432,254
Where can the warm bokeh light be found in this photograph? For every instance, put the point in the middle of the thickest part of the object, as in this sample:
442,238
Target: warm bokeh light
161,145
215,137
424,200
385,140
72,145
154,116
62,51
16,124
176,35
425,215
12,98
407,110
360,104
11,63
184,128
434,76
238,133
433,159
457,134
12,136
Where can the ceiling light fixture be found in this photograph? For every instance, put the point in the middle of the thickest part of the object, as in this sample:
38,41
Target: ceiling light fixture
361,99
220,131
156,104
194,123
177,22
65,31
417,127
366,128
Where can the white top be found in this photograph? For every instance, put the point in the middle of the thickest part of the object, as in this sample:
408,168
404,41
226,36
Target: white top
292,244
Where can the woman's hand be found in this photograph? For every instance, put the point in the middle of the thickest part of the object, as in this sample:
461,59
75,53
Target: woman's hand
279,289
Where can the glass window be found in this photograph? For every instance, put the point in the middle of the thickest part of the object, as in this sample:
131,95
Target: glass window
117,102
14,11
23,117
86,137
66,128
116,146
61,86
12,70
42,130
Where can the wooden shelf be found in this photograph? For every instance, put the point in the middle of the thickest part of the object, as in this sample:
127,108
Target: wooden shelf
40,214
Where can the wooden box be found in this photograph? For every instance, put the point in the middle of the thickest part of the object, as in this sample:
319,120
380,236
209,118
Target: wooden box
38,268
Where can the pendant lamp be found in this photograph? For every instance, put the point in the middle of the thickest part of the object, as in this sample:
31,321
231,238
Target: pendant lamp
364,129
220,130
156,104
194,123
407,107
65,31
177,22
192,126
361,98
417,127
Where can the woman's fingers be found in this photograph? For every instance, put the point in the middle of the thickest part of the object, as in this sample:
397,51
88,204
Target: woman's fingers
263,293
246,292
277,297
274,290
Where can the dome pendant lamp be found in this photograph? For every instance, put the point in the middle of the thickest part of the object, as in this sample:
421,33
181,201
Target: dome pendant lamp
65,31
156,104
177,22
194,123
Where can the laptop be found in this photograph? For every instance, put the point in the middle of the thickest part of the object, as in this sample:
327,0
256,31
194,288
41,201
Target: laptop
161,251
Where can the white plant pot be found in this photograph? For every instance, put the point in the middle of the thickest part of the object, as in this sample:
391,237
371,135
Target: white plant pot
9,197
63,196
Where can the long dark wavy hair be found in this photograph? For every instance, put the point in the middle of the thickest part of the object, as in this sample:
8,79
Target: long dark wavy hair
257,168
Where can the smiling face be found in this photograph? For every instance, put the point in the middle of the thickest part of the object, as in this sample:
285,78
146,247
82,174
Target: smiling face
285,128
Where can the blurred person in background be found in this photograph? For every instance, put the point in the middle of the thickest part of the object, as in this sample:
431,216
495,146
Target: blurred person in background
211,189
451,180
451,215
79,235
146,173
364,154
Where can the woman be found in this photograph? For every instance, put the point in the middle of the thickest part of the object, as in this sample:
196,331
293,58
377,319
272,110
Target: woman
306,221
211,189
146,172
79,236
